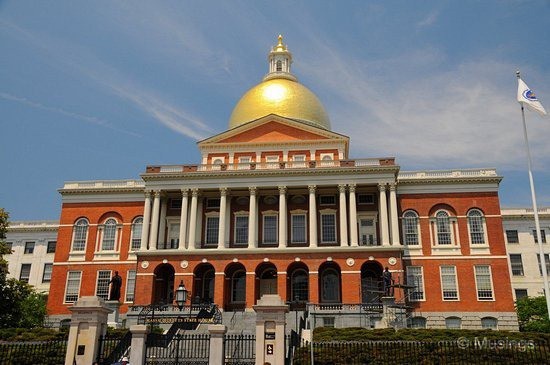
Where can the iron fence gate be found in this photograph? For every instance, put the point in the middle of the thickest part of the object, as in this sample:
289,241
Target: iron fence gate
180,349
240,349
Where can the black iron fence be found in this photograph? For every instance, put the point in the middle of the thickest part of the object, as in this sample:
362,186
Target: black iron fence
240,349
33,352
113,347
180,349
480,351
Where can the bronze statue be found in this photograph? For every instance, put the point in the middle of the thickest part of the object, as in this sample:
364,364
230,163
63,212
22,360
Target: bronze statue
116,283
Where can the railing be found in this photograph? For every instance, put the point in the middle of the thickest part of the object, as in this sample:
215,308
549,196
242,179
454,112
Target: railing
347,308
113,348
96,184
33,352
240,349
180,349
168,314
446,174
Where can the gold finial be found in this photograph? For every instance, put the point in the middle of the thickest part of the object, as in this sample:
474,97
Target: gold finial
280,46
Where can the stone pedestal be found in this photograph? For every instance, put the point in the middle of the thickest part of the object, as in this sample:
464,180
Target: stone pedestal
88,322
388,313
217,350
270,330
139,337
112,319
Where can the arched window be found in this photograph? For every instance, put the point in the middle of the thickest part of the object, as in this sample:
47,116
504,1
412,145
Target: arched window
137,226
279,66
410,227
475,225
109,235
453,323
238,287
443,224
417,322
299,285
80,234
330,286
489,323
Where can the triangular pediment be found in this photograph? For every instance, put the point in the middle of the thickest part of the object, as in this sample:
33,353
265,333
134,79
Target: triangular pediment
273,129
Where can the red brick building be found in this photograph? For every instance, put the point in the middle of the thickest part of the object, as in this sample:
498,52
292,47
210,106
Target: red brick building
276,205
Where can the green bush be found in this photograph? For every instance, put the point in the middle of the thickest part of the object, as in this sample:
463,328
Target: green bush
35,334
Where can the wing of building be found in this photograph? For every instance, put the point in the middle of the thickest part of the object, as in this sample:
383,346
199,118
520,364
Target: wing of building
277,205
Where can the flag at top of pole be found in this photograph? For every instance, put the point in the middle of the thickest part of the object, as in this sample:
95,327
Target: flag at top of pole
528,98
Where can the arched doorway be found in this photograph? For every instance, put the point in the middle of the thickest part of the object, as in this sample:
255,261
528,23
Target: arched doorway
297,288
266,279
164,284
330,283
235,287
203,284
371,282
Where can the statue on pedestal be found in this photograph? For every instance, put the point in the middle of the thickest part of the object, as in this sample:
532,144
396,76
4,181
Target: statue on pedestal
116,283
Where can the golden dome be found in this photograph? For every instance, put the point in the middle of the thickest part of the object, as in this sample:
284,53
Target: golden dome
280,93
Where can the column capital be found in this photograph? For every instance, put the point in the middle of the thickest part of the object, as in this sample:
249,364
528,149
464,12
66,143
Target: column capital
148,194
184,192
342,188
312,188
282,190
381,187
156,193
224,191
253,190
393,186
195,192
351,188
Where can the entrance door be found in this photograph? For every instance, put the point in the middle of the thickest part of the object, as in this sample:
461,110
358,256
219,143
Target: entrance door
367,232
164,284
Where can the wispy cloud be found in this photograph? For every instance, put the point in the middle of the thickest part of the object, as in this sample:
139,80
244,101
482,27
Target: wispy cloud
429,20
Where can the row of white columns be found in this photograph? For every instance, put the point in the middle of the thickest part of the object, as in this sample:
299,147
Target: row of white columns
154,221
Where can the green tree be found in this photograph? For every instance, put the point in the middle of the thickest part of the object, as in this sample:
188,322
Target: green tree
4,250
533,314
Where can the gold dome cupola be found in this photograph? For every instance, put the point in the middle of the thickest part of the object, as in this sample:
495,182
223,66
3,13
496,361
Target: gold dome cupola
280,93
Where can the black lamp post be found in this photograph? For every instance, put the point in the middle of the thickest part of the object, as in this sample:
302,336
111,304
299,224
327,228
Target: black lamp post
181,295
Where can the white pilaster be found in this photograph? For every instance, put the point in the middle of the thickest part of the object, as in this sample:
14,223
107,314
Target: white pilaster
162,223
282,217
353,216
153,238
312,217
193,219
394,219
343,216
383,208
183,218
252,215
223,212
146,221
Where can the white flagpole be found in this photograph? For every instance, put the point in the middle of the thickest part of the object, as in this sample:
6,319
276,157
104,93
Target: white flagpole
535,210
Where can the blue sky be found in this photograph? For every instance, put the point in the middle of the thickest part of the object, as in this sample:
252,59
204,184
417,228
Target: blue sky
93,90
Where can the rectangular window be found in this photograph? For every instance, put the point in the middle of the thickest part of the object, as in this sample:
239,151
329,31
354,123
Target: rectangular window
212,226
175,203
484,282
328,322
29,247
542,233
365,199
516,264
298,234
102,284
244,163
80,235
328,228
415,277
73,286
448,283
213,202
512,236
547,260
520,293
272,162
130,285
270,229
51,246
47,275
25,273
241,229
327,200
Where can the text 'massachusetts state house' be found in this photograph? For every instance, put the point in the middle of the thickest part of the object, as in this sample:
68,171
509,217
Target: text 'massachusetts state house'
277,206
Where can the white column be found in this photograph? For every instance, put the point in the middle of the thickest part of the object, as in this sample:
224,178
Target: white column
221,220
383,209
353,216
162,223
183,218
193,219
252,218
282,217
394,219
343,216
312,217
146,221
153,237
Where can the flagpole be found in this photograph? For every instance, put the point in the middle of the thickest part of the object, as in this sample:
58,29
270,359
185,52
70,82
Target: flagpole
536,212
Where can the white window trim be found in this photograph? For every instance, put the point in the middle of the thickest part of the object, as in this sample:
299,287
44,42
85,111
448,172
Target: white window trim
423,284
80,252
495,318
327,212
132,233
67,286
456,283
299,212
270,213
206,217
127,286
100,236
484,225
170,222
367,215
240,213
418,232
97,281
492,284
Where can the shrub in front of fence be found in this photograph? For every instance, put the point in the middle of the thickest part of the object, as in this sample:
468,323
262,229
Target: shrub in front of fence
35,352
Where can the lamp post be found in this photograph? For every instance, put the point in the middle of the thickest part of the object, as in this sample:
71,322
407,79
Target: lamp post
181,296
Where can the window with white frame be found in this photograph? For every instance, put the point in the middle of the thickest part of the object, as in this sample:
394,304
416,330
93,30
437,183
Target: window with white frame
72,289
489,323
130,285
453,323
137,226
244,162
443,227
270,228
80,235
516,264
102,284
327,159
29,248
484,282
109,235
272,161
47,274
415,277
449,286
476,223
298,231
299,160
241,229
212,229
410,228
328,227
547,261
25,273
